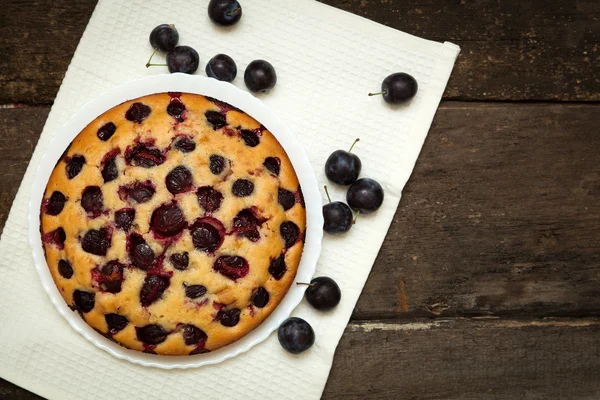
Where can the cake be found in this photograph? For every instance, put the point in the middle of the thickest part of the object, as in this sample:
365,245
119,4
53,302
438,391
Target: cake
173,224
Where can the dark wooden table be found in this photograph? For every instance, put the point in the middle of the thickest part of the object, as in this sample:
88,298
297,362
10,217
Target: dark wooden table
488,284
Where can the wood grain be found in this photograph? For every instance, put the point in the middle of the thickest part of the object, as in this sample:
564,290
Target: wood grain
501,217
526,50
21,128
466,359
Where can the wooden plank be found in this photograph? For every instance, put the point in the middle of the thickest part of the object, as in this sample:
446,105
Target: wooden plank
528,50
37,41
501,216
21,128
457,359
462,359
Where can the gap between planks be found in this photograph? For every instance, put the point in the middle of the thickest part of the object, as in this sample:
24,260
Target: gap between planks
478,322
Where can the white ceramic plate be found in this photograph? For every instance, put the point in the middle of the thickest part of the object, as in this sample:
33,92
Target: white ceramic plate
234,96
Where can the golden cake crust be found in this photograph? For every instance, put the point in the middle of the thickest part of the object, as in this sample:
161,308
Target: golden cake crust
172,323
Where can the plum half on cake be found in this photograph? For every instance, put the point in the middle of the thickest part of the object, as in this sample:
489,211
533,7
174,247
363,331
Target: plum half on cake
173,224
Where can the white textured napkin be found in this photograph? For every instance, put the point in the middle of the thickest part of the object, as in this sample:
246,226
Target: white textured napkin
326,61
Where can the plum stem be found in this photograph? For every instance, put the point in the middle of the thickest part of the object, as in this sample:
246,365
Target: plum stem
327,193
156,65
378,93
150,59
306,284
237,10
356,217
351,147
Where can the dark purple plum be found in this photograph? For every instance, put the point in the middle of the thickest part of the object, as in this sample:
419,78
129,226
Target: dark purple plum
229,318
97,241
183,59
209,198
365,195
343,167
221,67
137,112
207,234
217,164
140,253
260,76
277,268
289,232
180,261
153,288
194,291
296,335
84,301
124,218
164,37
168,220
260,297
74,165
152,334
273,164
106,131
224,12
323,293
179,180
242,188
55,204
398,88
92,201
65,269
233,267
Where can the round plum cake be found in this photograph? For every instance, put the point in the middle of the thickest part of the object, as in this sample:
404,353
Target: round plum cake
173,224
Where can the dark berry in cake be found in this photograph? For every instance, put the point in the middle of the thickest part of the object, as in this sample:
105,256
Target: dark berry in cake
106,131
176,109
260,297
217,164
167,220
55,204
221,67
138,192
180,261
277,268
192,335
97,241
273,164
296,335
124,218
153,288
110,171
84,301
289,233
251,137
184,144
260,76
194,291
230,317
65,269
75,165
140,253
183,59
144,155
164,37
179,180
343,167
398,88
233,267
224,12
207,234
323,293
246,224
92,201
56,237
109,276
209,198
365,195
152,334
216,119
286,198
242,188
115,322
138,112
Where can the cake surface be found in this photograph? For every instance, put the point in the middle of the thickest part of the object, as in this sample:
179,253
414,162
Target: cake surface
173,224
